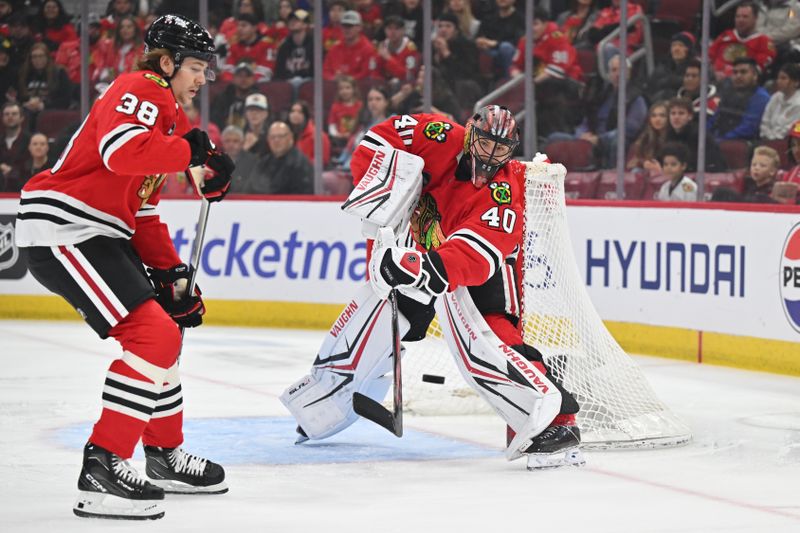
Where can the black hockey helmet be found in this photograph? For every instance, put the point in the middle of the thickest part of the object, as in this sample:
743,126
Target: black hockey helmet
183,37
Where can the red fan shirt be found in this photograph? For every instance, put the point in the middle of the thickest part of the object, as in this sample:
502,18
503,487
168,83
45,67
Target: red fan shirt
358,60
729,46
553,53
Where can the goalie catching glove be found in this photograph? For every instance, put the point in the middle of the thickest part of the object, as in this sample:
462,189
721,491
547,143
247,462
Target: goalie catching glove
416,274
170,286
204,153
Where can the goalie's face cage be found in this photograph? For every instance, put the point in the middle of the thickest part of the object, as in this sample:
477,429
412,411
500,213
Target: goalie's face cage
492,139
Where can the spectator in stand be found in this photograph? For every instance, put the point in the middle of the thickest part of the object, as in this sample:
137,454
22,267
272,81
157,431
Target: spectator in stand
121,53
682,128
233,143
344,113
741,104
377,111
279,29
793,175
296,54
557,75
355,56
228,107
244,7
411,13
398,58
690,89
38,160
115,10
577,21
408,100
783,108
456,58
780,21
8,73
371,17
680,187
6,10
302,125
14,148
608,20
741,41
499,33
667,77
332,32
256,114
69,54
284,170
53,24
645,150
42,84
763,171
250,46
467,23
21,38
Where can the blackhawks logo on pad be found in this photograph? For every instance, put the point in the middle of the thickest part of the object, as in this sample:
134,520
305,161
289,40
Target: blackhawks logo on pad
158,79
501,192
437,131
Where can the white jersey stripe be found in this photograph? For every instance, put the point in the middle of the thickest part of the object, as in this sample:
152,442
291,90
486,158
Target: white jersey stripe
71,202
133,382
163,414
99,281
109,145
487,250
87,290
133,413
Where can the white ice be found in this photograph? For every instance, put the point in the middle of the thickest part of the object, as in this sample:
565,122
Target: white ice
740,474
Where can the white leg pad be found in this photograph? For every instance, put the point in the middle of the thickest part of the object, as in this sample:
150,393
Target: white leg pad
354,357
513,386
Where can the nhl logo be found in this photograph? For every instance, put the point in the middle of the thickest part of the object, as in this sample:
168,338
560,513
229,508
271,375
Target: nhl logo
8,250
790,277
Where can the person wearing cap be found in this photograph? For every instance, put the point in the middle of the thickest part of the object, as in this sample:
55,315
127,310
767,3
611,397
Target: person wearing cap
256,114
250,45
783,108
355,56
741,104
743,40
667,77
296,53
68,54
411,13
398,57
456,58
284,170
228,107
332,31
499,33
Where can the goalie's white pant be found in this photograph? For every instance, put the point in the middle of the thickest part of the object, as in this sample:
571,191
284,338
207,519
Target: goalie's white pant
356,357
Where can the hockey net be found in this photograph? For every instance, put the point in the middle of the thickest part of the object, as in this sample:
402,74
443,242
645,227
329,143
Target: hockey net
618,407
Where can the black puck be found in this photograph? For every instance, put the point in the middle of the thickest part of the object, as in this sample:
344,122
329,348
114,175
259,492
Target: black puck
430,378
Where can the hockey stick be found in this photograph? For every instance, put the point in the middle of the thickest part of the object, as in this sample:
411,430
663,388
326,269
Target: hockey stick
370,409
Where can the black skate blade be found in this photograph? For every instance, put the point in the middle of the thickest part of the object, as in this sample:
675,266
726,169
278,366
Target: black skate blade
371,410
84,514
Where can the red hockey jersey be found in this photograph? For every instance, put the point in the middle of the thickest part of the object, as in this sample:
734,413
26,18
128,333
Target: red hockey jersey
358,60
729,46
107,180
403,64
262,53
473,230
553,53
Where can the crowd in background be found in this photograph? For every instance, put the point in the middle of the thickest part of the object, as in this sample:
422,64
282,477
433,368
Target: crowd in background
260,104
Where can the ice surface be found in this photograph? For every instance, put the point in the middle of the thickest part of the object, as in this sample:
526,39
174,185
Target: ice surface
740,474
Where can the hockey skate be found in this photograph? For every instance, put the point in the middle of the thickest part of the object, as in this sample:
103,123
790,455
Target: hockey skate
179,472
110,488
555,446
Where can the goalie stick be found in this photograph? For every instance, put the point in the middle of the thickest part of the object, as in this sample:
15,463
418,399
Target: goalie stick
370,409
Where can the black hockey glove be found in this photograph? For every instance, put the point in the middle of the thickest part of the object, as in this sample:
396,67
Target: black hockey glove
170,286
405,267
204,153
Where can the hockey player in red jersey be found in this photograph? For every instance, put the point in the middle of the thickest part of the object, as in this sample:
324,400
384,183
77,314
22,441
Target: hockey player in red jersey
461,252
90,227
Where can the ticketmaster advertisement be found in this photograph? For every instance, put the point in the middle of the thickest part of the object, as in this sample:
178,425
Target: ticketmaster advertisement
734,272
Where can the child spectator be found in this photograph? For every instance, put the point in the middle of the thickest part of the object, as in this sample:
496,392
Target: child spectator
763,171
53,24
679,188
783,108
683,129
691,88
645,150
344,113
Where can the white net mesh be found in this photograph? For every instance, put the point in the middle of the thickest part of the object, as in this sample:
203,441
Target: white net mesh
618,407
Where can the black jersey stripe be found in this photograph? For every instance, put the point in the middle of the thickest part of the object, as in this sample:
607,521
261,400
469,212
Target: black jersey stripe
483,246
127,403
72,210
131,389
167,407
43,216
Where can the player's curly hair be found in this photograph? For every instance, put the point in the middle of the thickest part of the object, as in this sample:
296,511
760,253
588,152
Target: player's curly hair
152,60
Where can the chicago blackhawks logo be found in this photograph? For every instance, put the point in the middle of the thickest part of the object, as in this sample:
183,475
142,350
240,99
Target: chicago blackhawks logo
149,185
501,192
425,223
158,79
437,131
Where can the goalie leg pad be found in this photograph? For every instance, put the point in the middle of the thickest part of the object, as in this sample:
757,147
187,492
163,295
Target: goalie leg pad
520,393
354,357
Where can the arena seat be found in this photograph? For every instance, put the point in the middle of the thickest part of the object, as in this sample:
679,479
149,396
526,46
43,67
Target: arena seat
686,13
633,185
306,92
715,180
576,154
51,122
587,59
581,184
736,153
280,95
